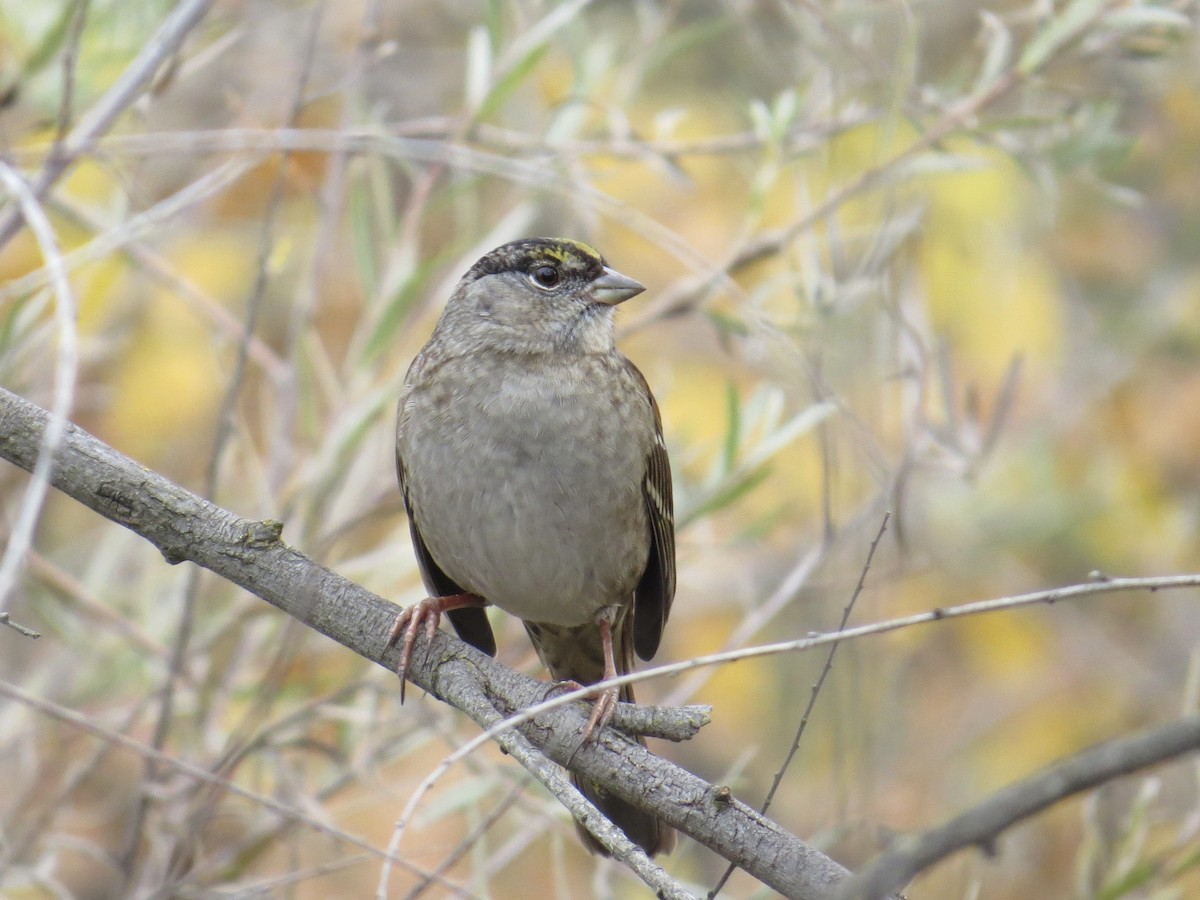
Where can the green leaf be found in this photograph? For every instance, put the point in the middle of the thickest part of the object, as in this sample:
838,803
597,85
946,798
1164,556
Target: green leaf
998,53
733,415
52,41
1189,862
803,422
512,79
398,306
1145,18
681,40
725,494
1059,32
479,67
362,237
1138,876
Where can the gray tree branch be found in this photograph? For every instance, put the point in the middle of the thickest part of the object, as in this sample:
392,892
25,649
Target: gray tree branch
101,117
185,527
982,825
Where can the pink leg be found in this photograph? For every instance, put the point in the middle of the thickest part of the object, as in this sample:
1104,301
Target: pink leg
605,703
428,611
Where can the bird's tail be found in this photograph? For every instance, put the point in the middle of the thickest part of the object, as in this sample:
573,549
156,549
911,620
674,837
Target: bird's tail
574,653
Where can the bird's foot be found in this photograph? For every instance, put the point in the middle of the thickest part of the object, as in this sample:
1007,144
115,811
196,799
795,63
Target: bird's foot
427,613
567,686
606,701
603,705
603,708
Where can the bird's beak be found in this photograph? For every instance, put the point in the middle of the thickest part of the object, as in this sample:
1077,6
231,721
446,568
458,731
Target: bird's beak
612,288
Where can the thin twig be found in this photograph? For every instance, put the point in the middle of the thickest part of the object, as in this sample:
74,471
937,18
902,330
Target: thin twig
982,825
196,773
251,554
750,624
66,364
532,173
35,821
66,106
23,630
813,694
224,433
495,813
94,612
799,140
613,839
159,269
101,117
1047,597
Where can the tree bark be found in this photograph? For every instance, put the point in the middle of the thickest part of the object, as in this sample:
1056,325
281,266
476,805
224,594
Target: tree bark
185,527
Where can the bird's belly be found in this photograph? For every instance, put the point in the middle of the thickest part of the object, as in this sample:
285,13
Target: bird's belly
546,537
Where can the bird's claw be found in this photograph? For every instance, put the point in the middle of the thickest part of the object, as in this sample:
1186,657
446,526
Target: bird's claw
566,686
603,708
408,626
604,705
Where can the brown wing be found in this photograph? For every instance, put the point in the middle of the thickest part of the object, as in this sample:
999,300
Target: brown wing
471,623
656,589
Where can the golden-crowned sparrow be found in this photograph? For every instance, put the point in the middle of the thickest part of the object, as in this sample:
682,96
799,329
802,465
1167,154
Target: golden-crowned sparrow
533,469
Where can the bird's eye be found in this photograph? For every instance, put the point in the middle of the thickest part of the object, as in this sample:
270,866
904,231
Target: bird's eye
545,277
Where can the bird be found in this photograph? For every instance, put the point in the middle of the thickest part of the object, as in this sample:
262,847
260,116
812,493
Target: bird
535,477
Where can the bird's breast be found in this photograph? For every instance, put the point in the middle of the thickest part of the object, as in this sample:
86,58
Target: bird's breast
529,491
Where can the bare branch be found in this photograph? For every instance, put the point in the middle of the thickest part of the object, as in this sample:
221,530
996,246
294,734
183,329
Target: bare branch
982,825
115,738
65,368
250,554
100,118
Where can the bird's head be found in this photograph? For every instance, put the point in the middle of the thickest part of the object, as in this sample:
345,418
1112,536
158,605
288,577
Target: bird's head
539,295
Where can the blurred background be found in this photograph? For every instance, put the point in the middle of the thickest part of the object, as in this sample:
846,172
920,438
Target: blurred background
936,259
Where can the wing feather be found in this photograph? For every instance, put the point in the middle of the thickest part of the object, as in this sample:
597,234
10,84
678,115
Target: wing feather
471,623
656,589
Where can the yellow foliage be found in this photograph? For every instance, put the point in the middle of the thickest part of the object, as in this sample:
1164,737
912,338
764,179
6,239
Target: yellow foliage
1150,516
555,78
20,256
1008,649
90,182
166,385
170,377
220,264
1029,736
1179,106
730,684
95,298
695,386
848,156
1096,468
990,297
